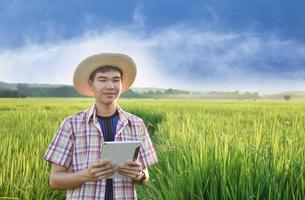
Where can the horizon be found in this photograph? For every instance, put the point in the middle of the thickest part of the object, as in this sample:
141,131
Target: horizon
162,88
203,46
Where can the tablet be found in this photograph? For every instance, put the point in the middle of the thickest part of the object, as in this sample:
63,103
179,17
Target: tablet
120,152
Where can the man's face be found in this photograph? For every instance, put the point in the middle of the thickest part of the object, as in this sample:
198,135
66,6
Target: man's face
106,86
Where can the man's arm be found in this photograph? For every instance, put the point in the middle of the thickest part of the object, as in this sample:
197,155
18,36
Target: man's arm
60,178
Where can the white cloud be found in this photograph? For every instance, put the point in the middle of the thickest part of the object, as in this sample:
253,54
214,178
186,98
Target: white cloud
178,57
55,63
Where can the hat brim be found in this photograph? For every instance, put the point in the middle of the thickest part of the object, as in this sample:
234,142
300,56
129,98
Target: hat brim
86,67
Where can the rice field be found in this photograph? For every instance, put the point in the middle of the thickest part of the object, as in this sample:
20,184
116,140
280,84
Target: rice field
206,149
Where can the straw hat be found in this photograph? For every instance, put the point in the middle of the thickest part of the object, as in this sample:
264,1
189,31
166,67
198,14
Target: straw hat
86,67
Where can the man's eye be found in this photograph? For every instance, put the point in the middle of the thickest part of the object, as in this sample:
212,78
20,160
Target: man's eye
116,80
102,80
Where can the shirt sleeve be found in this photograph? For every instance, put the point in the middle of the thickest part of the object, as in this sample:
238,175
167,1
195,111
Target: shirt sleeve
60,149
148,154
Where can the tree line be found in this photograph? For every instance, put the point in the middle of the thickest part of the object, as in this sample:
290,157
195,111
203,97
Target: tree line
23,90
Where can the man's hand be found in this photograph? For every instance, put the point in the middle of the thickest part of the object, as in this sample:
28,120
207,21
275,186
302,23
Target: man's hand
99,170
132,169
60,178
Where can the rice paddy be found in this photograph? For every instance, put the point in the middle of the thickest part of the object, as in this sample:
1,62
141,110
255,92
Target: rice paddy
206,149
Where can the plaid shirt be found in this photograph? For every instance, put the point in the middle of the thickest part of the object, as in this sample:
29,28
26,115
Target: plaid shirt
78,142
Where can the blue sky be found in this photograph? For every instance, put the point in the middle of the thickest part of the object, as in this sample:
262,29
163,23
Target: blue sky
197,45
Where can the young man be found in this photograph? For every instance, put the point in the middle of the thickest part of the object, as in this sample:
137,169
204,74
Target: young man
75,151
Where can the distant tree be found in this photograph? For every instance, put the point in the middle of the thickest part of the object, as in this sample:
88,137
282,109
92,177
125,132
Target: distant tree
62,91
169,91
158,93
11,94
287,97
24,89
174,91
130,94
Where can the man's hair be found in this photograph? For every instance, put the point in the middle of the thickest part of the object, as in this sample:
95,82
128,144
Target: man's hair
103,69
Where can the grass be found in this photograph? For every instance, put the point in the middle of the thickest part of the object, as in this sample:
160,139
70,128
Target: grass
206,149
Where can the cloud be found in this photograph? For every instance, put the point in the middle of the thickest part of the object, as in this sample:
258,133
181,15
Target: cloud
55,62
220,61
179,56
138,17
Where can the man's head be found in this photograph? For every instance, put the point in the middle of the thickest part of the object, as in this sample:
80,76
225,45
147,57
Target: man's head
86,72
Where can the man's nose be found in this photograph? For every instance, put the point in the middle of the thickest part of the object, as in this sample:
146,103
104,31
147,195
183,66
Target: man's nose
110,84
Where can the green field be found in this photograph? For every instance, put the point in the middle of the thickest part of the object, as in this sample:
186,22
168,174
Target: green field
206,149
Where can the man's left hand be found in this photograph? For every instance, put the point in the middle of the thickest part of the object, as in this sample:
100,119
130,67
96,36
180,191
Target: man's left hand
132,169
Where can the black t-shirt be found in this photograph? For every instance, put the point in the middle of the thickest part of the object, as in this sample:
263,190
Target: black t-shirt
108,127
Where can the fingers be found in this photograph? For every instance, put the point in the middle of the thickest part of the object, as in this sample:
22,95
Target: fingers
99,170
101,163
96,170
102,166
133,163
105,173
103,169
133,175
130,168
132,171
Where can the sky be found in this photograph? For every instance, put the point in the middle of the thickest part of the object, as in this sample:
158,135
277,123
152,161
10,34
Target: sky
196,45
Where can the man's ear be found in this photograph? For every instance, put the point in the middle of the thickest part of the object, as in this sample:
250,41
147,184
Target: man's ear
90,82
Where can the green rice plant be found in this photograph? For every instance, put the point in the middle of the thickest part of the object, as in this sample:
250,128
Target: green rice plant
206,149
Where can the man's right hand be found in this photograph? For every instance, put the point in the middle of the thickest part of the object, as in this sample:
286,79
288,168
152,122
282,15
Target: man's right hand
60,178
99,170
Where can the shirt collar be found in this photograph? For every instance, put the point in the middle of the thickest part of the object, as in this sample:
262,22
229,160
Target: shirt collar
91,112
